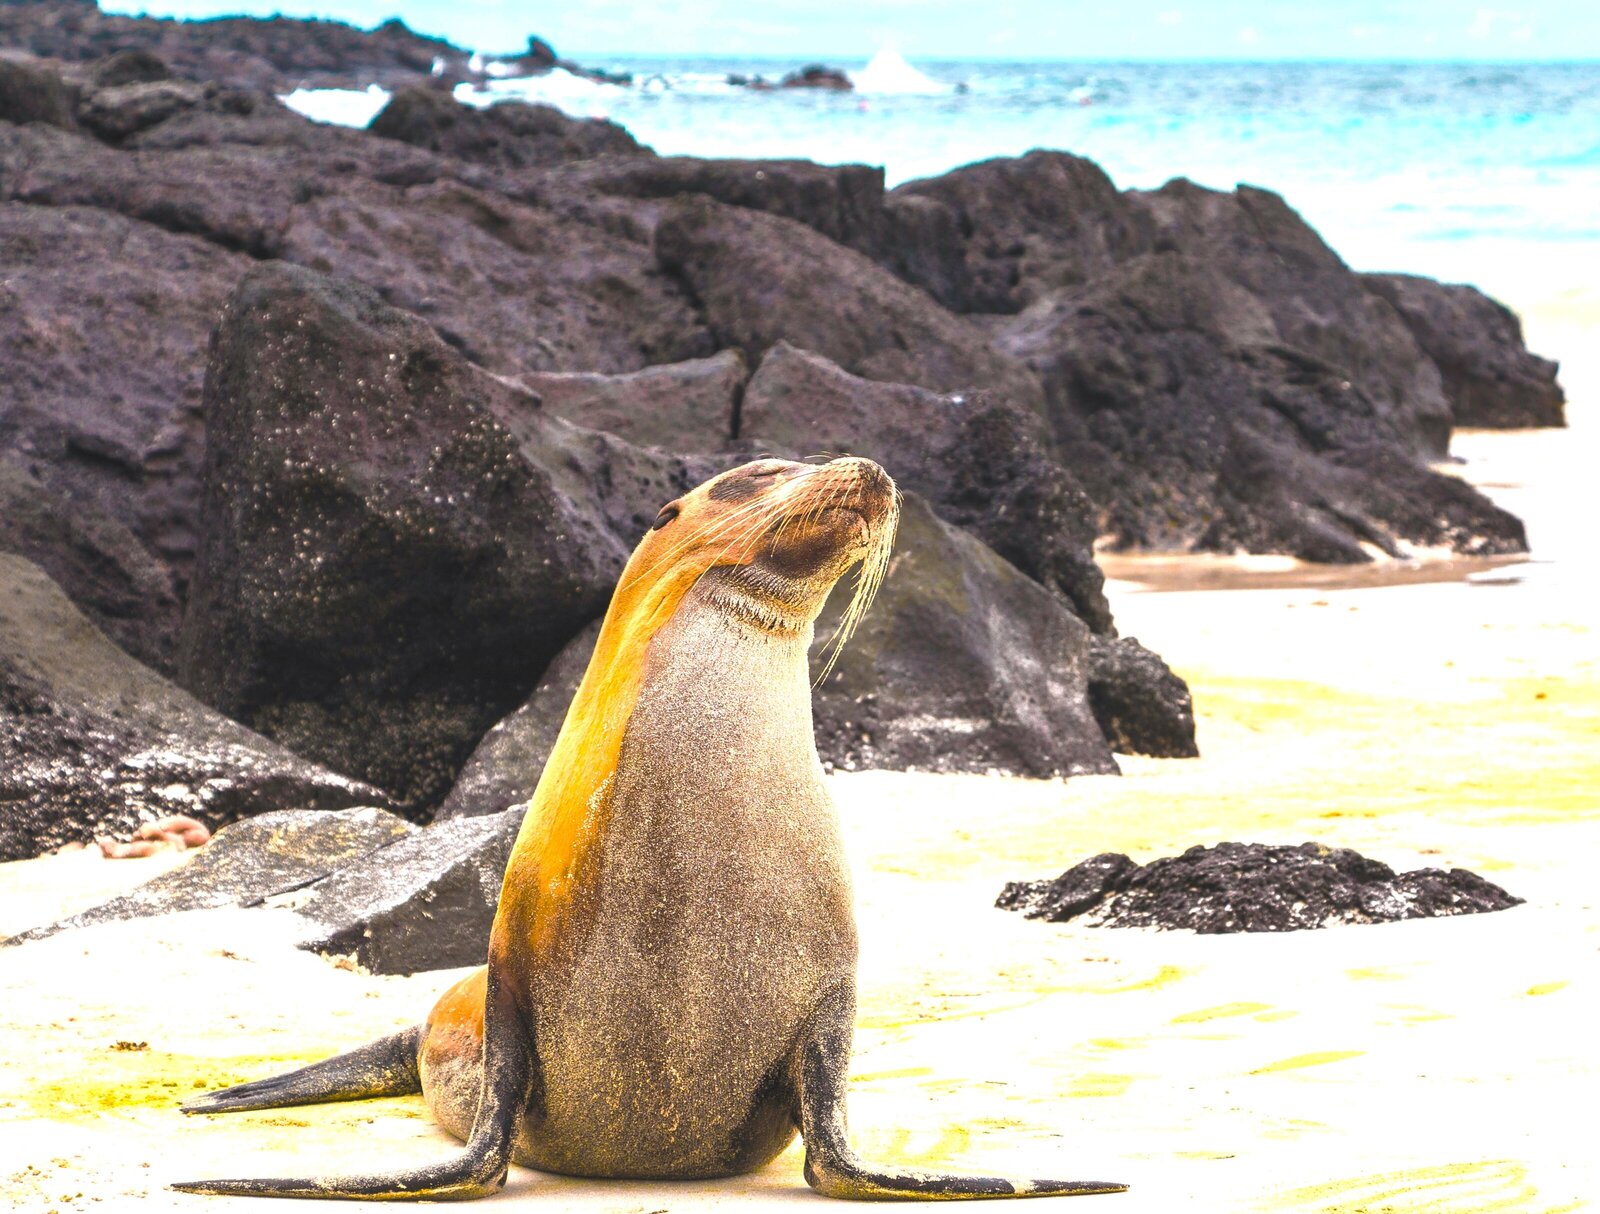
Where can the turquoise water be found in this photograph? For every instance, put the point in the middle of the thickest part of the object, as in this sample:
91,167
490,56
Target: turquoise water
1480,173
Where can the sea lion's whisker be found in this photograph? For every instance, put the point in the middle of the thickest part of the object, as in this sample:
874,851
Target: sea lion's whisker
870,575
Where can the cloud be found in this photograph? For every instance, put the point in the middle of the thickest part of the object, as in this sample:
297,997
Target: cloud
1249,35
1170,16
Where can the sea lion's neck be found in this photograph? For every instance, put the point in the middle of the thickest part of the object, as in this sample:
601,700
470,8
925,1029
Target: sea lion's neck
698,646
720,674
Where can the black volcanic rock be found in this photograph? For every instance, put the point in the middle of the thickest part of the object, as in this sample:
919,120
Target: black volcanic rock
425,902
761,279
1140,705
963,664
843,202
93,744
1191,426
97,561
1252,887
129,67
984,463
508,134
386,568
1490,376
103,330
515,288
246,863
114,114
1081,888
817,76
687,406
31,91
1320,312
1048,224
1026,226
276,54
505,768
539,56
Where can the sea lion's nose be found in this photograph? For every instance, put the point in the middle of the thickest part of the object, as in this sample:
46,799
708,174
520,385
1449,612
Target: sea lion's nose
870,476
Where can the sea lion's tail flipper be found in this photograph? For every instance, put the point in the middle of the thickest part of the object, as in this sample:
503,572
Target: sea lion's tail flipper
479,1170
386,1067
819,1074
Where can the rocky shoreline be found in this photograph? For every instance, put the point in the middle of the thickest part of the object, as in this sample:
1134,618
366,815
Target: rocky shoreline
275,54
347,433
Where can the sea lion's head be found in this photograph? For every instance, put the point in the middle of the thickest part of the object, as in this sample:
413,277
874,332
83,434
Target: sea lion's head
769,539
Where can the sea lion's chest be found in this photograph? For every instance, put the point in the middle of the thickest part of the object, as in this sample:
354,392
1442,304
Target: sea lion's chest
718,906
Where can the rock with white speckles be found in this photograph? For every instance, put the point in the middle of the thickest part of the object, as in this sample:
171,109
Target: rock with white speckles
94,744
394,542
1143,708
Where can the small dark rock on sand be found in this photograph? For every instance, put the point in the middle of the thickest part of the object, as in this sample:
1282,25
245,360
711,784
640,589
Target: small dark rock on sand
1251,887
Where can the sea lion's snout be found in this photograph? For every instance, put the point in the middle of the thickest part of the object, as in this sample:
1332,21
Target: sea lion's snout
860,485
833,515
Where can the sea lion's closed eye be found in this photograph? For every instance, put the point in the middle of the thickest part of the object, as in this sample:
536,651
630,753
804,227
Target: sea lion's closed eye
668,513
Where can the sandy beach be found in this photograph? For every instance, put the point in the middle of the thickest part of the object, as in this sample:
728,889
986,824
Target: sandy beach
1439,1066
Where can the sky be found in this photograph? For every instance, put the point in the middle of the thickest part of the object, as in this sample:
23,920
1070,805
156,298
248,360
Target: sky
1029,30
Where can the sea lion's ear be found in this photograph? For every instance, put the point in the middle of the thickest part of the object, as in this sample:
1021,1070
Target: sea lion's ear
668,512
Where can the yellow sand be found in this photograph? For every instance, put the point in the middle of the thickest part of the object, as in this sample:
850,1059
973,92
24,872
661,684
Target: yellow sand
1444,1066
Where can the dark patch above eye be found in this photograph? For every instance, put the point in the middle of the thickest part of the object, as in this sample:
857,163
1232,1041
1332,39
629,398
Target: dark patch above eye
735,488
668,512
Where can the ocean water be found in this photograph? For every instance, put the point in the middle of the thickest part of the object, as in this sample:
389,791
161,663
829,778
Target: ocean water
1477,173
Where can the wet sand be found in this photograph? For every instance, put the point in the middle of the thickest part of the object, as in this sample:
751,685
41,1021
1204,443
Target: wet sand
1439,1066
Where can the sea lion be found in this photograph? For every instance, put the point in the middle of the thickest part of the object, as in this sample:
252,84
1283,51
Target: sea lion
670,990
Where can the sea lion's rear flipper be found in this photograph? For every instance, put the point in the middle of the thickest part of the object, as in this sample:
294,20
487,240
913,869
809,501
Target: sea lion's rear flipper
477,1171
820,1068
386,1067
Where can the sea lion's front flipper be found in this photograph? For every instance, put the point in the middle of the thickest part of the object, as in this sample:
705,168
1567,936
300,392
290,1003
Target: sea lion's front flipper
821,1064
479,1170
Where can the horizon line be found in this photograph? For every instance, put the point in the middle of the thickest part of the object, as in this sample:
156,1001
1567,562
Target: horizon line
1154,60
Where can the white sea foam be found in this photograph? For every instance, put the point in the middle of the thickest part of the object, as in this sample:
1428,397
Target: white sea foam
576,95
887,74
342,107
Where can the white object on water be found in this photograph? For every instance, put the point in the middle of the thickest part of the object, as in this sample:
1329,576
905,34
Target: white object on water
888,74
341,107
